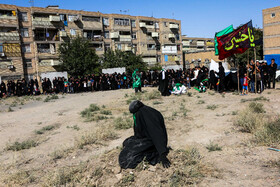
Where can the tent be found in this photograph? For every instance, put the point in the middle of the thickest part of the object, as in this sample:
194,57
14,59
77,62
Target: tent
215,66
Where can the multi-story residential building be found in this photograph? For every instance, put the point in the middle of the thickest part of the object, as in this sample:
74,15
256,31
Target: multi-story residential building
271,34
30,37
198,51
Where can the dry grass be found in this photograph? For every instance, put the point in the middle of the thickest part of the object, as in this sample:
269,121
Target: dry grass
102,134
91,113
17,146
45,129
212,107
21,178
125,122
145,96
50,98
213,147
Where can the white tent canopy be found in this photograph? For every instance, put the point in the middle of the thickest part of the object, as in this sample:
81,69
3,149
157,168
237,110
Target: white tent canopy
215,66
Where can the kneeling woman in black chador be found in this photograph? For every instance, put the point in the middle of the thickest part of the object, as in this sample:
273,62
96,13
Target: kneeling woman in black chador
149,141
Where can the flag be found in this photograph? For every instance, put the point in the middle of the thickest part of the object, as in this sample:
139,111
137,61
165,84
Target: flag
227,30
237,41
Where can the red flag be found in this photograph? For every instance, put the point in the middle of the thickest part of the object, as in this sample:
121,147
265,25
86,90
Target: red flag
237,41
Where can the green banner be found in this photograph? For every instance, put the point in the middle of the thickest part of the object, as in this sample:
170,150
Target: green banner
227,30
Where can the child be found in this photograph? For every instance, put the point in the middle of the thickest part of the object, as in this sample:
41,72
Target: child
245,84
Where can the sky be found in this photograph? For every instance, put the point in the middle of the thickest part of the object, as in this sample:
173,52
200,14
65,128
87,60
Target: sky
199,18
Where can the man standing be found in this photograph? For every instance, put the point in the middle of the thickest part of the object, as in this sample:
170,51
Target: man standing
136,81
163,83
272,73
221,75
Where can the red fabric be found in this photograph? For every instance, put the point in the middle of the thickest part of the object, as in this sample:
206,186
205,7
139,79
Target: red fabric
245,82
224,54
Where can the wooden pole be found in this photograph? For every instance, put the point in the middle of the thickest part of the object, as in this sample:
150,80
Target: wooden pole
255,69
238,86
248,62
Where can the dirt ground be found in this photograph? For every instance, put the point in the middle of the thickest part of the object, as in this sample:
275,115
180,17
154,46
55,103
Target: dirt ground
189,121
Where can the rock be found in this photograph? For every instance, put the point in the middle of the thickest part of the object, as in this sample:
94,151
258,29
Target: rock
119,176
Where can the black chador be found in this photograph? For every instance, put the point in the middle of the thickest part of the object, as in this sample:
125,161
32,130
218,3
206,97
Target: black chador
149,140
163,83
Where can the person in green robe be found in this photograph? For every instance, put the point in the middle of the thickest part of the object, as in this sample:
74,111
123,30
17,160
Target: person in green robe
136,81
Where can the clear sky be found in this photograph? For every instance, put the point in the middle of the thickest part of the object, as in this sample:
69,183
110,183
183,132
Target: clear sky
200,18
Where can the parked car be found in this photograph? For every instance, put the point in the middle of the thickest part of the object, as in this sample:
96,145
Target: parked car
277,77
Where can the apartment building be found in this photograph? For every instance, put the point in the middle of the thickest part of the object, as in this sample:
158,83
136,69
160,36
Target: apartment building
198,51
30,37
271,34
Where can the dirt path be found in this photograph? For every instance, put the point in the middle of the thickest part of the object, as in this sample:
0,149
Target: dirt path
238,164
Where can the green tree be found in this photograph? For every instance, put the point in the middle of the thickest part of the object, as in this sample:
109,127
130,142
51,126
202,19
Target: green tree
242,59
129,60
78,57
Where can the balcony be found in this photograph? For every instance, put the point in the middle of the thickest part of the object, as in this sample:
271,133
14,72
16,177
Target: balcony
9,36
150,60
200,43
55,62
44,21
62,33
127,48
171,36
55,18
114,35
210,44
186,43
177,59
6,20
142,25
173,26
155,34
125,38
49,62
92,25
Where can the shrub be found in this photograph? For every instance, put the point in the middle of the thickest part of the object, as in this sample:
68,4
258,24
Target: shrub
17,146
256,107
123,123
44,129
106,112
212,107
213,147
200,102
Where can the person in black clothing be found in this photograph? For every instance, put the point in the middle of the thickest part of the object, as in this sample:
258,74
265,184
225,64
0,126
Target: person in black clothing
163,83
272,73
149,141
19,88
221,75
3,90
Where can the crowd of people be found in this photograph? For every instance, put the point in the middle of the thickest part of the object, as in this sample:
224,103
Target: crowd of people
165,79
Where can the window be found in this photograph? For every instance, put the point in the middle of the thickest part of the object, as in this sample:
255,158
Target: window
106,34
24,32
134,48
165,24
156,25
23,16
93,19
134,36
133,24
158,47
26,48
178,48
151,46
272,15
72,32
27,63
72,17
107,47
62,17
106,21
121,22
119,46
177,36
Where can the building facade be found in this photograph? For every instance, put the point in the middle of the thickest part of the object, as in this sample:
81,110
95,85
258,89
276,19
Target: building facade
30,37
271,34
198,51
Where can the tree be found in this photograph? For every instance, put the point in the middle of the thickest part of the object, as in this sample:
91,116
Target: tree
242,59
78,57
129,60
